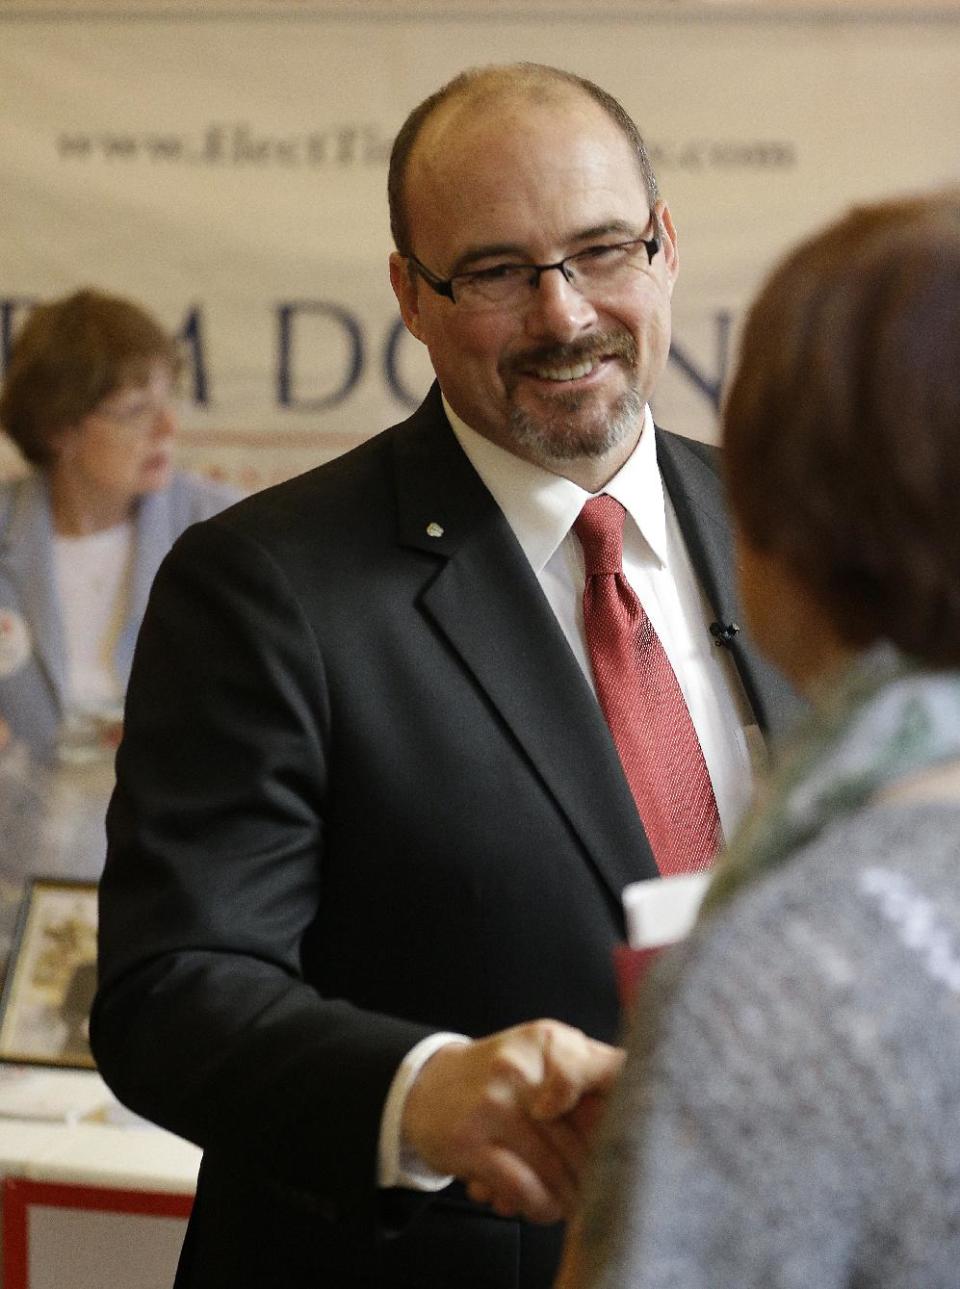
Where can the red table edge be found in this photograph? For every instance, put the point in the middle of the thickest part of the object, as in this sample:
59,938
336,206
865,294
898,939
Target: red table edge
20,1192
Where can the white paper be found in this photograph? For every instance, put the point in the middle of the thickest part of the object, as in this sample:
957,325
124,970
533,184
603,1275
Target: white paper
662,910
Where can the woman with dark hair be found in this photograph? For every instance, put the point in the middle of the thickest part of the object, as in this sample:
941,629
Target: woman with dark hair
789,1112
88,398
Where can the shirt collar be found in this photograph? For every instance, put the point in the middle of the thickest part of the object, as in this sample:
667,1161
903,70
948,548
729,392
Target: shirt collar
541,507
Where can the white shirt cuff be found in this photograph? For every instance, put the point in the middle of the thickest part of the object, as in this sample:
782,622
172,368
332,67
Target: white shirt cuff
396,1164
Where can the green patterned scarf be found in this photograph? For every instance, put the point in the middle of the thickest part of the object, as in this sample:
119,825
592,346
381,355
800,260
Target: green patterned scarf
882,718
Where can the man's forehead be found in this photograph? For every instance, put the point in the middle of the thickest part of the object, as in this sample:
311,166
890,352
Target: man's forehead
483,107
519,167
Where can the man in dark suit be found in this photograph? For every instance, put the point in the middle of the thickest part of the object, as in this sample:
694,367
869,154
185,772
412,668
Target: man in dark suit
371,829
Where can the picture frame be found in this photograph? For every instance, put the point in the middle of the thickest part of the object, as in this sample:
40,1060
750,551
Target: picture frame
51,976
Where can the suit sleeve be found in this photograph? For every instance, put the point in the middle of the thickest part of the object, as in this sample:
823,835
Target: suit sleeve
204,1021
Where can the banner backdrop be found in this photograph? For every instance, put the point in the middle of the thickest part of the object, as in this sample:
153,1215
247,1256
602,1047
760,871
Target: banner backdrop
227,168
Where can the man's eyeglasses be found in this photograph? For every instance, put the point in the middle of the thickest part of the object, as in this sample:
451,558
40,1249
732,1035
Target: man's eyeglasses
596,270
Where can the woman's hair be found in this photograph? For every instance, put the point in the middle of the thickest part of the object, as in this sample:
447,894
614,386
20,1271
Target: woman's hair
842,424
70,355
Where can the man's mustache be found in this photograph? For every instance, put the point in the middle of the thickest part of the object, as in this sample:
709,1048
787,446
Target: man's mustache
614,344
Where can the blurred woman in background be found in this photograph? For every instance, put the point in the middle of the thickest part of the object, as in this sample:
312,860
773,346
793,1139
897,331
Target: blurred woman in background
789,1112
89,400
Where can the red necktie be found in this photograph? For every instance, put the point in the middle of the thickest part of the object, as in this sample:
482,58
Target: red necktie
643,703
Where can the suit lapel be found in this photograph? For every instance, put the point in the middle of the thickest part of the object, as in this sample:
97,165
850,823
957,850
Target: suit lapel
488,603
154,534
689,472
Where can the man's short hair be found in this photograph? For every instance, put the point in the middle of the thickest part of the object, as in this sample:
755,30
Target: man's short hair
69,356
842,424
482,83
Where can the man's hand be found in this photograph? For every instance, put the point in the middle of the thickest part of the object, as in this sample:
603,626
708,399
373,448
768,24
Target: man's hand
511,1115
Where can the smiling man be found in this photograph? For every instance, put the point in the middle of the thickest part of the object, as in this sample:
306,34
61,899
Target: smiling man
402,729
555,365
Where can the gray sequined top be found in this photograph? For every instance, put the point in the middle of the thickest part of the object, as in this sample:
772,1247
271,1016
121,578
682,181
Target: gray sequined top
789,1116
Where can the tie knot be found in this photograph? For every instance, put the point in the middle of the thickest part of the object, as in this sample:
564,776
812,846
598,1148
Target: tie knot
599,527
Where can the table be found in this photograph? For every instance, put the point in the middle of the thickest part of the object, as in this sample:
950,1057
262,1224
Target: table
92,1196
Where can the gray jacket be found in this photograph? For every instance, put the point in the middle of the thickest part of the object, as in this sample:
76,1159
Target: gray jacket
32,647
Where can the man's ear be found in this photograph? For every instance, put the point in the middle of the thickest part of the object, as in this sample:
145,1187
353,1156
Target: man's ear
408,296
671,255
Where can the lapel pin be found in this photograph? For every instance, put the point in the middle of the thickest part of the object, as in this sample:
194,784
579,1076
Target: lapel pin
434,530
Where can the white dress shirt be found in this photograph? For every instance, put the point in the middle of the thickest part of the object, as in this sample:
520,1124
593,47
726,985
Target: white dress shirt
541,508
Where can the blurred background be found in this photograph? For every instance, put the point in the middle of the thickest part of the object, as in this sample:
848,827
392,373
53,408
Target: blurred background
225,163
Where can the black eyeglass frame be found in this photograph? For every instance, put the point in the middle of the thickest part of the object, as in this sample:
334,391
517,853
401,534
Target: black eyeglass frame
444,286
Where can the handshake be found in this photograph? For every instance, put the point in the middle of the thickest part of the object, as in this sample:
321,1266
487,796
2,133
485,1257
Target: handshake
512,1115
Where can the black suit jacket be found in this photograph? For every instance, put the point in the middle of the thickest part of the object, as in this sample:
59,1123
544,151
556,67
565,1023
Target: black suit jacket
364,793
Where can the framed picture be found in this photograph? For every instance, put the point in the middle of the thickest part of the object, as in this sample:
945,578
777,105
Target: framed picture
51,976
